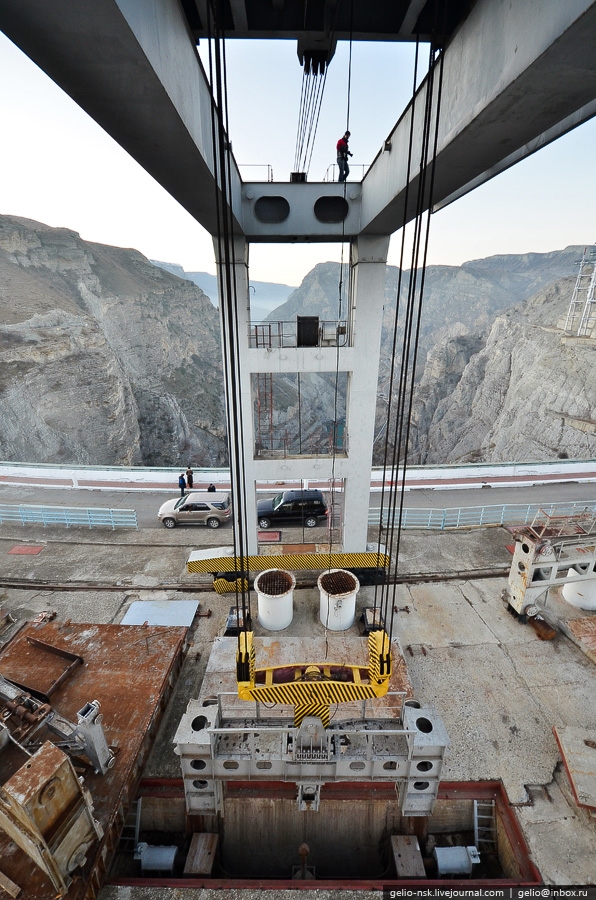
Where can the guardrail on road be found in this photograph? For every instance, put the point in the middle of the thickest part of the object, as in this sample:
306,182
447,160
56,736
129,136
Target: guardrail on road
91,517
477,516
138,478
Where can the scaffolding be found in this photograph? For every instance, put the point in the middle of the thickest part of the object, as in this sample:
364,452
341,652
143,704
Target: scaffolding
581,306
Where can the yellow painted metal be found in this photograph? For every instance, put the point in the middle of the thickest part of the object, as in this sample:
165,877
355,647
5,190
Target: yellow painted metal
223,586
292,561
310,687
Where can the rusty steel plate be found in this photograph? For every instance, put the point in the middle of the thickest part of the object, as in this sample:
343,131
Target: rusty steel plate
131,670
582,632
269,537
578,751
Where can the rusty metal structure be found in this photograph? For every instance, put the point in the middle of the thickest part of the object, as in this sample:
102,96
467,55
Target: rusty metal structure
67,827
552,550
48,813
26,713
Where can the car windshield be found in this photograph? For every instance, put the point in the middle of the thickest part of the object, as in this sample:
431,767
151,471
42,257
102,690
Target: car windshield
277,501
180,502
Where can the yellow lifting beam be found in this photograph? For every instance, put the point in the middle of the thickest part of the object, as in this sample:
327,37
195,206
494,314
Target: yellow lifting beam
312,688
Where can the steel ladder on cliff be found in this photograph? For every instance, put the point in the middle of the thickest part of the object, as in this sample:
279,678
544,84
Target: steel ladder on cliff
582,299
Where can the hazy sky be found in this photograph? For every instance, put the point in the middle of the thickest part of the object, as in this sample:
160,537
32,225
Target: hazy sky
57,166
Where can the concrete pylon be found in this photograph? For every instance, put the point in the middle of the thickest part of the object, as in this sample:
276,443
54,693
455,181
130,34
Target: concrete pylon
235,320
368,258
359,360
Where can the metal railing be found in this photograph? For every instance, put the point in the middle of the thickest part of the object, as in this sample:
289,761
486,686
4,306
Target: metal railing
356,169
256,176
90,517
476,516
278,335
279,443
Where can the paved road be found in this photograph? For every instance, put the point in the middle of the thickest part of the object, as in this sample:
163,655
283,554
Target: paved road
147,502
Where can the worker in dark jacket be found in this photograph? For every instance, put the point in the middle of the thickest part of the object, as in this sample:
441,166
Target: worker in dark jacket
182,484
342,156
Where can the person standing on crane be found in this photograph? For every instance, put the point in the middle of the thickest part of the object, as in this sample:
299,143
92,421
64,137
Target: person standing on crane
342,156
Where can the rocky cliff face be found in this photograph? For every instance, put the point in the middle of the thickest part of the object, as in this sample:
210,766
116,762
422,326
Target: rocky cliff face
459,307
105,359
528,394
445,364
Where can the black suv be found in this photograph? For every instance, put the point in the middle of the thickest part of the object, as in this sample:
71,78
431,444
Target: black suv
296,507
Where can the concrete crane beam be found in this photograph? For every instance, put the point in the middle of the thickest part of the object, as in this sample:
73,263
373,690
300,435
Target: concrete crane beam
133,67
516,76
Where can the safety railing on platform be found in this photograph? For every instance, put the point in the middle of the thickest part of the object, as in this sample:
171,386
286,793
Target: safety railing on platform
284,335
357,172
263,169
281,443
476,516
89,517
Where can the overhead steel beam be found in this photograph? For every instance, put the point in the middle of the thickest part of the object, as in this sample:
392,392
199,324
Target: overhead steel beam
238,10
516,76
304,21
411,17
132,65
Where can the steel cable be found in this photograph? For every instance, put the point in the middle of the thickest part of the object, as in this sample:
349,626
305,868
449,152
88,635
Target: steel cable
409,353
229,305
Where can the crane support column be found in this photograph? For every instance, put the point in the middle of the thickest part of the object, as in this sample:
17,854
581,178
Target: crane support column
360,362
368,258
235,320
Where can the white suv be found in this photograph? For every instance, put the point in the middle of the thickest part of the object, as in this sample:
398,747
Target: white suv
197,508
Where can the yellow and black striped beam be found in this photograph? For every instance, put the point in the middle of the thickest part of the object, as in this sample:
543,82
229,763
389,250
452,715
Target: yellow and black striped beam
312,688
292,561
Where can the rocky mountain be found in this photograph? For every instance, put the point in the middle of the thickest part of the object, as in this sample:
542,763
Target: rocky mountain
104,358
471,294
459,307
107,359
265,296
528,394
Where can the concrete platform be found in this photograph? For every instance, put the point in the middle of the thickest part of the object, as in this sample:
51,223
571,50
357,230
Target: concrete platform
498,688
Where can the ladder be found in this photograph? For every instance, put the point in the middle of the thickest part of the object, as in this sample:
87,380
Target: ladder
583,293
588,319
264,408
485,826
129,836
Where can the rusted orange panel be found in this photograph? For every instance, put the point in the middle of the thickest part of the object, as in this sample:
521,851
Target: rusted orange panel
578,751
130,669
51,772
583,632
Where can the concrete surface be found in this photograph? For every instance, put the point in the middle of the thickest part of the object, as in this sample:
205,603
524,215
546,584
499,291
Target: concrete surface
498,688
